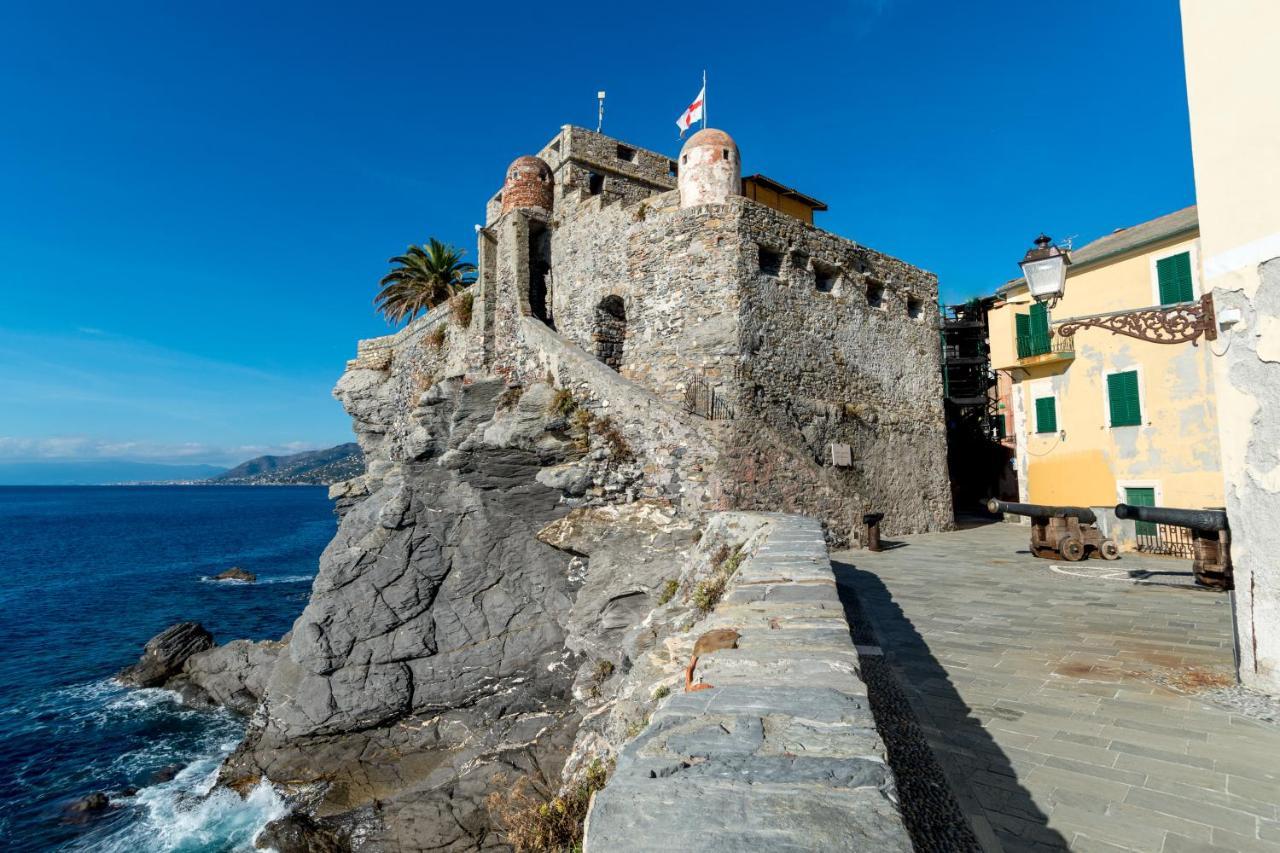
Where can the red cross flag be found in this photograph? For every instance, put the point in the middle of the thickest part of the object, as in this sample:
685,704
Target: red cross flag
694,112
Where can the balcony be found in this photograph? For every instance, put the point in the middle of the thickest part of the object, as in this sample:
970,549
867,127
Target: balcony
1044,348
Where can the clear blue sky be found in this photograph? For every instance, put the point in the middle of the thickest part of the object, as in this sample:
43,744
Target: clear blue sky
197,199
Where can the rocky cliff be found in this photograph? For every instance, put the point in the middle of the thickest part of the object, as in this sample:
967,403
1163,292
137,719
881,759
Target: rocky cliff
526,574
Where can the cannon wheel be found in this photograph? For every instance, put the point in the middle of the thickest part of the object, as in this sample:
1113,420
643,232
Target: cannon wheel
1109,550
1071,548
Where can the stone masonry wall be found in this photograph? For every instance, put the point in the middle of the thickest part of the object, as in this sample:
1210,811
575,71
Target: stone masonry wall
839,344
778,750
670,267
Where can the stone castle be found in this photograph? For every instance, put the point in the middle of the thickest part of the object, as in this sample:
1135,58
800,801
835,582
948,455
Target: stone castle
559,507
768,364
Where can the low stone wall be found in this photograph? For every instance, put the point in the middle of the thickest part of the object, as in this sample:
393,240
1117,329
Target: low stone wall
780,751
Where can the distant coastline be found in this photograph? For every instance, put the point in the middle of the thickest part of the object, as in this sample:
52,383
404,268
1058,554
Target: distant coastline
309,468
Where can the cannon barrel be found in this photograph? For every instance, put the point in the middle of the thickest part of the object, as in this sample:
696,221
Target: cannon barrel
1197,519
1081,513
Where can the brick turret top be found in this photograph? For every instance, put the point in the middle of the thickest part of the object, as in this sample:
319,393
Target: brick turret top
710,169
529,184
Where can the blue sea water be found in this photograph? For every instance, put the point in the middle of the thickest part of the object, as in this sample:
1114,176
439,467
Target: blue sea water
87,576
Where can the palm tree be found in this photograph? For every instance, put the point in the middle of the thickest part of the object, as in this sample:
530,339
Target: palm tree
426,276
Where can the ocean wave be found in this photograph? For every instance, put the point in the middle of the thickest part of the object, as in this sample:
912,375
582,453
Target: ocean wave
190,814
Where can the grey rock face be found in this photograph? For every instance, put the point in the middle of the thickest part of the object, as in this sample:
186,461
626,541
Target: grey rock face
233,675
300,833
165,653
431,658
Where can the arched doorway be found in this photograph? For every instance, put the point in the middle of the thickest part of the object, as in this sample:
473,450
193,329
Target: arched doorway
610,330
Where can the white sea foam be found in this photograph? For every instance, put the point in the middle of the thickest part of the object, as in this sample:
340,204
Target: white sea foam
190,814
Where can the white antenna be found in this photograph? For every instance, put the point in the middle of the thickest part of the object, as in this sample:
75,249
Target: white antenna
600,121
1070,241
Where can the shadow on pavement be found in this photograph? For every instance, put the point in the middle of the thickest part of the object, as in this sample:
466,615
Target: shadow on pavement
971,800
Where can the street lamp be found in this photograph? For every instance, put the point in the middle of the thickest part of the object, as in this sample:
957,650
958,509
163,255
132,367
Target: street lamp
1045,269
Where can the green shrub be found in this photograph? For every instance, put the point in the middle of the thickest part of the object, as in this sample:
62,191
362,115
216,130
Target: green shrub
563,403
668,591
436,337
707,593
662,692
510,397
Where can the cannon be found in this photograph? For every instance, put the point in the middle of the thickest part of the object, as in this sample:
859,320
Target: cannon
1061,532
1209,532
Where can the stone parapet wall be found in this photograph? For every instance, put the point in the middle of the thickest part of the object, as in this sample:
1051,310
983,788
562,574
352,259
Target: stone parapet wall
779,751
675,451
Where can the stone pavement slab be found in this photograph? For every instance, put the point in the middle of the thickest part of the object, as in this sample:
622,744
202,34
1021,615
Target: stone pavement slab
1066,702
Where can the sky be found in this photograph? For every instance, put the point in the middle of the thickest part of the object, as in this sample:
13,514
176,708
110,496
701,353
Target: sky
197,199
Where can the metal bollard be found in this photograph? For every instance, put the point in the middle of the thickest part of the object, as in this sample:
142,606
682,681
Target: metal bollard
872,521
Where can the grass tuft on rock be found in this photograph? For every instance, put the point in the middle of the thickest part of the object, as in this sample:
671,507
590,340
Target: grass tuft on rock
437,336
668,591
460,308
533,822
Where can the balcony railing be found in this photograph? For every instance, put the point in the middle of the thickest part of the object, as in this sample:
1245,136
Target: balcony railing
1041,344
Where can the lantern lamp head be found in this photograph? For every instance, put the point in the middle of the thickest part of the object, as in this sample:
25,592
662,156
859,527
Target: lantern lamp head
1045,269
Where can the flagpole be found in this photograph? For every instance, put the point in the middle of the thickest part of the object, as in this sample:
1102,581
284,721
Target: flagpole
704,99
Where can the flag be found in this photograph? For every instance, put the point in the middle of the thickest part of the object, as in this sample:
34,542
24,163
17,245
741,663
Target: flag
692,113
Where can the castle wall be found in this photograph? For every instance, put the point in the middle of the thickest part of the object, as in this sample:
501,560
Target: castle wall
823,362
673,270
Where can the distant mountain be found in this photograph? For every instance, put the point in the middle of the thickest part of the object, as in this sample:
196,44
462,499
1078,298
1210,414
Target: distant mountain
320,467
101,472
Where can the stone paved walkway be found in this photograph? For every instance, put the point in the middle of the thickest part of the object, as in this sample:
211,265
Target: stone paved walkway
1063,704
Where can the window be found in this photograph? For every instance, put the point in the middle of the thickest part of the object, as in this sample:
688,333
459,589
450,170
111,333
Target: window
1174,275
914,308
627,153
1046,414
595,183
1141,497
1033,331
672,169
770,261
824,278
1122,397
875,293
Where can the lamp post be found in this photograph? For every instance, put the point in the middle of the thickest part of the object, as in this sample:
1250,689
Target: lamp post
1044,268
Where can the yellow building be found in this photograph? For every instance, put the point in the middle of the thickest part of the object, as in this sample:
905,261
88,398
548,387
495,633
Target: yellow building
1101,418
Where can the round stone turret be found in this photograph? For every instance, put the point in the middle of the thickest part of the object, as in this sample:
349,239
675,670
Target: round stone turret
710,169
529,184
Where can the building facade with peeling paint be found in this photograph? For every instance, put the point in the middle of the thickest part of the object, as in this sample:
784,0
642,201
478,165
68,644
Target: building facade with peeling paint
1100,418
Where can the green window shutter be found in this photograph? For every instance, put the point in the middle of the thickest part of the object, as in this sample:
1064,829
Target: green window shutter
1122,394
1141,497
1174,274
1046,414
1039,322
1022,328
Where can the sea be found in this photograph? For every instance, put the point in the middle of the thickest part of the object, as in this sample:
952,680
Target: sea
87,576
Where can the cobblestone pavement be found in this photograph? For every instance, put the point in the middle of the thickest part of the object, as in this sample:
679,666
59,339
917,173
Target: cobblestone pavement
1070,704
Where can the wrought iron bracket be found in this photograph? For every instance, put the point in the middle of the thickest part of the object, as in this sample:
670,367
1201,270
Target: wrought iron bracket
1171,324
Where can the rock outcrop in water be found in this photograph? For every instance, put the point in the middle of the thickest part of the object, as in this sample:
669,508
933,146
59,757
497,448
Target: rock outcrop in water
165,653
